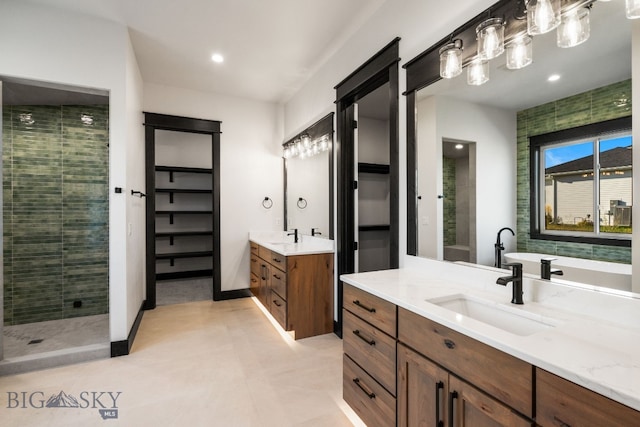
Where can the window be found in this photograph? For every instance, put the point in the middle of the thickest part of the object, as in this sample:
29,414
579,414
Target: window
582,183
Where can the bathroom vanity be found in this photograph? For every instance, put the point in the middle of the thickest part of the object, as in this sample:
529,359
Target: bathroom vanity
440,344
294,281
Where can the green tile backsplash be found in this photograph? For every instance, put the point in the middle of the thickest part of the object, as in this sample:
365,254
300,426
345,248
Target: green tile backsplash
605,103
56,212
449,205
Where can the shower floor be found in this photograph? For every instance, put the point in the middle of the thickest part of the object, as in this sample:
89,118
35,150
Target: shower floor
33,338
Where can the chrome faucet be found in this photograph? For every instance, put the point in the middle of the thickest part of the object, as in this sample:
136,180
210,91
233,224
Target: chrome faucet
294,234
499,247
545,269
516,278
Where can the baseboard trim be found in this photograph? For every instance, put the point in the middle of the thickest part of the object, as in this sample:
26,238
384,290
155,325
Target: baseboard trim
233,294
122,348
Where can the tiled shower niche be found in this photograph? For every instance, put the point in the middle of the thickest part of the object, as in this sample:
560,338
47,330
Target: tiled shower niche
56,212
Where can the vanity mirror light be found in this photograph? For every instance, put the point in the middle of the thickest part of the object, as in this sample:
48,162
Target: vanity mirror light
497,119
308,180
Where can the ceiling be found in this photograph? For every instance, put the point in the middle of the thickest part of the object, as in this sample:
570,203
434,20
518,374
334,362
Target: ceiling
271,48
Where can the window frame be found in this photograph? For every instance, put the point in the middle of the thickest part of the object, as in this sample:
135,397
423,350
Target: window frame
580,133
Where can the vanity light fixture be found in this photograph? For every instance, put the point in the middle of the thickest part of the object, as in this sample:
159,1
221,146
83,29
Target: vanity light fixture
490,35
478,72
519,52
306,140
542,16
574,28
451,59
633,9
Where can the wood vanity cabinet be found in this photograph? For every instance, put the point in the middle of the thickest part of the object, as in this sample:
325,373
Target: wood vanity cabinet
369,361
565,404
450,374
297,290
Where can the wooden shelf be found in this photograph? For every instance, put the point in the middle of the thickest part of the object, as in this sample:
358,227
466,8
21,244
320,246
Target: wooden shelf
183,190
374,227
184,212
182,169
373,168
183,233
184,274
176,255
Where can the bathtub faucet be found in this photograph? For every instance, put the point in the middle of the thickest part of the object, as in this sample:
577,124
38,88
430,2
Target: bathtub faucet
516,279
499,247
545,269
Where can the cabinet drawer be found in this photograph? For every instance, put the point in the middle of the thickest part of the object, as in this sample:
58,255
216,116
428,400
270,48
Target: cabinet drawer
255,265
505,377
264,253
255,285
373,404
372,349
562,403
254,248
378,312
278,309
278,261
279,283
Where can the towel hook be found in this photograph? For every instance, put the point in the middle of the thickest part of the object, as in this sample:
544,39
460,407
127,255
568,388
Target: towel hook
267,203
302,203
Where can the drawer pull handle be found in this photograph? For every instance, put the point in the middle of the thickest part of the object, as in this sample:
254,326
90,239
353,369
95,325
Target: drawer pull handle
452,397
370,310
253,280
357,333
277,303
277,277
277,260
450,344
562,423
369,394
439,389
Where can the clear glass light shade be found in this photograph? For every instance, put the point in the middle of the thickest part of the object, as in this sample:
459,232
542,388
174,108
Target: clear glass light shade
633,9
542,16
451,60
478,72
519,52
575,28
490,36
306,140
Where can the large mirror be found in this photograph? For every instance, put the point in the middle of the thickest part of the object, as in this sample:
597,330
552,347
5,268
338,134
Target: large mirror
309,180
461,198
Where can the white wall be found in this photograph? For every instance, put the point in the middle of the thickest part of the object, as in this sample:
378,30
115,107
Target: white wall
419,23
45,44
250,166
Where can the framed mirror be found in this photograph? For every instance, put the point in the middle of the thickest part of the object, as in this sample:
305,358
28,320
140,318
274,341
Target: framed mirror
308,180
592,85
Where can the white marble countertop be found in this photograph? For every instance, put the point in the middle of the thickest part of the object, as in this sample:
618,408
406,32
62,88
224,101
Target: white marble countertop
280,242
593,340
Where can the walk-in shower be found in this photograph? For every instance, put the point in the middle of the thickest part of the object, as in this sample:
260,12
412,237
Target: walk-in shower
55,174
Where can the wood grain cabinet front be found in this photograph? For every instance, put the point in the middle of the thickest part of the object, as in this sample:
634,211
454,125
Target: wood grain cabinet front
562,403
297,290
373,404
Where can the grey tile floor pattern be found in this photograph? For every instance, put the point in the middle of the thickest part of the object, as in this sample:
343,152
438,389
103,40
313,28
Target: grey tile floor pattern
181,291
197,364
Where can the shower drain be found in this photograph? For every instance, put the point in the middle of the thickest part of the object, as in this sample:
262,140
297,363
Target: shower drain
38,341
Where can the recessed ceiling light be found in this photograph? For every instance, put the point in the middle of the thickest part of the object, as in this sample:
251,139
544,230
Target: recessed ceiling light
554,77
217,58
459,146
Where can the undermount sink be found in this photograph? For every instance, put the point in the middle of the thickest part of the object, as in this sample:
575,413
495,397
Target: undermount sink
509,319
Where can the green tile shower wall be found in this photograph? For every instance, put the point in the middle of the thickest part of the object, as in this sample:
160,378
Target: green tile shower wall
55,183
597,105
449,205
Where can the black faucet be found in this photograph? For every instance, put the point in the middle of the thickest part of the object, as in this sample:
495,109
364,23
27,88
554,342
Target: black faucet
499,247
545,269
516,278
295,235
314,232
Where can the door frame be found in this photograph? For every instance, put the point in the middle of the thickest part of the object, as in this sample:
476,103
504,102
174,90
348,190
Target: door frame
381,68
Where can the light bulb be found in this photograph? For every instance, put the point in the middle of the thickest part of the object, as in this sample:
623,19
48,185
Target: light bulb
450,60
575,28
542,16
478,72
519,52
490,35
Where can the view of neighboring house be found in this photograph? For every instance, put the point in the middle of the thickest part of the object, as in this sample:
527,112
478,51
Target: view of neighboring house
569,189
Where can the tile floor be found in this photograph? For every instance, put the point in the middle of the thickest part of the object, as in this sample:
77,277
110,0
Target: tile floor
181,291
196,364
